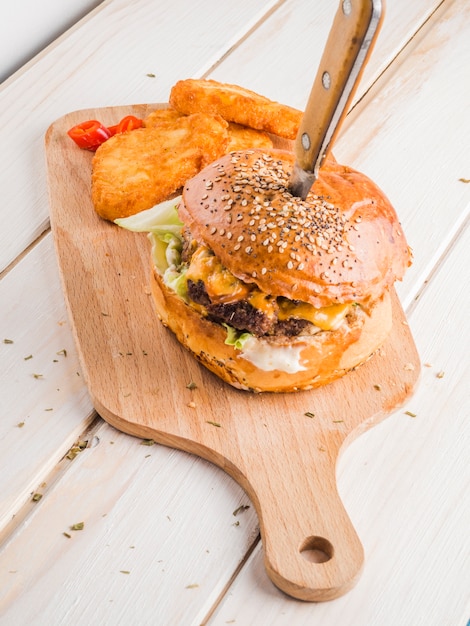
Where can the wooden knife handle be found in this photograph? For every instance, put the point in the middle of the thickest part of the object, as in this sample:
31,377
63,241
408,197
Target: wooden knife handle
350,42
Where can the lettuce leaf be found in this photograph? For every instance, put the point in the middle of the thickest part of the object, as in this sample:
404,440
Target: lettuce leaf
164,228
162,219
236,338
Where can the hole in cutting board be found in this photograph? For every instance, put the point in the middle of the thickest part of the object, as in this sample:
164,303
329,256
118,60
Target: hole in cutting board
316,550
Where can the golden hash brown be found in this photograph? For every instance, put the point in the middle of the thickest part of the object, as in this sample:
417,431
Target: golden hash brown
244,138
159,117
235,104
240,137
133,171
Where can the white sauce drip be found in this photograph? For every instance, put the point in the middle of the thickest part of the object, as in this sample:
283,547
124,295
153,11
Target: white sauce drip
269,358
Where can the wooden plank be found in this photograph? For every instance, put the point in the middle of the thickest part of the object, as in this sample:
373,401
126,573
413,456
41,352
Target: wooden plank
161,539
424,99
406,486
28,28
44,403
281,60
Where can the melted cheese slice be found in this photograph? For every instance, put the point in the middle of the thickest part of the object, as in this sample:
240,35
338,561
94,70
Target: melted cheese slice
220,284
326,318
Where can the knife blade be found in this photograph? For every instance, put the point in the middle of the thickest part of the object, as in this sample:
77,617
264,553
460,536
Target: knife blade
354,31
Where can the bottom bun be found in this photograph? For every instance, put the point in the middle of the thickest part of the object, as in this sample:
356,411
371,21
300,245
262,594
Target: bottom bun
279,364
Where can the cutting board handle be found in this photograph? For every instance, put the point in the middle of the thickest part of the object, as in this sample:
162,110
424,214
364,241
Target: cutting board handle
311,549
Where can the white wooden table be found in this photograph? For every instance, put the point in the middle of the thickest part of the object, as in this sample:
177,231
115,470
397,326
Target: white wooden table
161,544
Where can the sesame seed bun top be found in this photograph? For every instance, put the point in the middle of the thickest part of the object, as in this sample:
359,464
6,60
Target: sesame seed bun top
342,244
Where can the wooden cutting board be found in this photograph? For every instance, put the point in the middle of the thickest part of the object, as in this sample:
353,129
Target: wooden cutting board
281,448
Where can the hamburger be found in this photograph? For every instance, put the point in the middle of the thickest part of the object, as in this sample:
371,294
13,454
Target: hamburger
269,291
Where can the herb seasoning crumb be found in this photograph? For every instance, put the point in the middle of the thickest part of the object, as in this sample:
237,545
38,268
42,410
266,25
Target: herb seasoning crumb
309,414
36,497
77,526
241,509
216,424
377,387
8,341
75,449
410,413
191,386
20,424
440,374
147,442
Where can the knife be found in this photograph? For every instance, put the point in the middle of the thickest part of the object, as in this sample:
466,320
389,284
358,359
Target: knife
349,45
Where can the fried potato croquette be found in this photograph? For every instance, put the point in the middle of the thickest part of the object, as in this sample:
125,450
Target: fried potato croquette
240,137
235,104
134,171
244,138
160,117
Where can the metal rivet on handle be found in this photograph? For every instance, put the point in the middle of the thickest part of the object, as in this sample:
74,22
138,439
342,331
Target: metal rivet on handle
326,80
347,7
305,141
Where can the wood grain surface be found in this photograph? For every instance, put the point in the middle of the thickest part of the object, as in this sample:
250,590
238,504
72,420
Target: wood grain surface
281,448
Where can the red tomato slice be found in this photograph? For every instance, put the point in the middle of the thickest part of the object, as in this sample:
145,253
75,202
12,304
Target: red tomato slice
89,135
130,122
